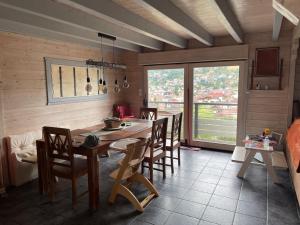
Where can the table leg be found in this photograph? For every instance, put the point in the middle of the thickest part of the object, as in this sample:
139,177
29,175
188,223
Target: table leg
42,168
93,180
246,163
268,161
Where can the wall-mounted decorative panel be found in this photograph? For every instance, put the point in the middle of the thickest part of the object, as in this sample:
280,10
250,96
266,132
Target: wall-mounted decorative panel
67,80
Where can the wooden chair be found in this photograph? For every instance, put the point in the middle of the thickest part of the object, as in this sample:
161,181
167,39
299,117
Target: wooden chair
148,113
174,143
61,160
157,148
127,173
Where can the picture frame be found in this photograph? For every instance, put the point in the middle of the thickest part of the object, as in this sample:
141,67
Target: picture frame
267,62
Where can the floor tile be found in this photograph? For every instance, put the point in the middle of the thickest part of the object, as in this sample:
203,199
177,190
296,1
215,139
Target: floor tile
165,202
208,178
154,215
172,191
223,203
216,165
230,192
230,182
257,209
212,171
195,191
203,187
203,222
282,214
197,196
240,219
253,196
138,222
179,219
218,216
190,209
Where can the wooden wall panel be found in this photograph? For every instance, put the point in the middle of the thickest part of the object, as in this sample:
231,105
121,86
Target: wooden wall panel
3,162
297,78
24,85
235,52
134,95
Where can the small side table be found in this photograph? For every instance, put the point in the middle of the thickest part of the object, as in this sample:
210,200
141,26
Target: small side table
266,154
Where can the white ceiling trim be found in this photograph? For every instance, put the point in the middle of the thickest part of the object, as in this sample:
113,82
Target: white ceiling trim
229,20
168,9
277,22
285,12
60,13
112,12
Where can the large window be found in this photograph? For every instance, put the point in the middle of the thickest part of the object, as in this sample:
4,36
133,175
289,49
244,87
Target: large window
215,103
166,91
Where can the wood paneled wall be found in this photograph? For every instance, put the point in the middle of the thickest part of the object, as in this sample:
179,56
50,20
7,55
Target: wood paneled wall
135,94
269,108
3,174
297,78
24,86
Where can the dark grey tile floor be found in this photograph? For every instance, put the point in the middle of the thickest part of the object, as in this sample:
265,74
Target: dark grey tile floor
204,190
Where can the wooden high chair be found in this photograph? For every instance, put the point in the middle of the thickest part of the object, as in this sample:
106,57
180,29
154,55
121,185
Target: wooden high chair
128,173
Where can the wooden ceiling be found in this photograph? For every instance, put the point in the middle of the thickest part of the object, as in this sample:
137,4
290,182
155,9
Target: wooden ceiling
154,16
148,23
253,15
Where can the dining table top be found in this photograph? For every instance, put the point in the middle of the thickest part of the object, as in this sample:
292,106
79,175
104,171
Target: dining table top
107,137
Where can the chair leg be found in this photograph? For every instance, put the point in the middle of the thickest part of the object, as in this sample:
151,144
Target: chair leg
143,180
151,171
130,196
51,187
114,193
143,168
178,151
74,192
172,161
164,167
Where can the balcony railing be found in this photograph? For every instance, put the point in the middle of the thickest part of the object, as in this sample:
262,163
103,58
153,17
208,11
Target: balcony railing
215,122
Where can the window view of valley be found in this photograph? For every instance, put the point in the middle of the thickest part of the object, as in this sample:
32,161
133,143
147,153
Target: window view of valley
215,97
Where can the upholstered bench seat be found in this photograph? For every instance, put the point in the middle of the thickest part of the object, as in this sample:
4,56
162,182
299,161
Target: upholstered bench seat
22,157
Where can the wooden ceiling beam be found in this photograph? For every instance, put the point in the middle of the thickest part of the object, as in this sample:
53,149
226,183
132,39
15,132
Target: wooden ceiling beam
114,13
228,18
279,7
276,25
169,10
57,12
25,29
56,27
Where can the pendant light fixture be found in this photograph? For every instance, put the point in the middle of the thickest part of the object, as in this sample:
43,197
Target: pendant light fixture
117,88
102,83
125,82
88,86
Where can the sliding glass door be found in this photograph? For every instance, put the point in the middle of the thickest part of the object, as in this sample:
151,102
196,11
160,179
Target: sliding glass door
211,95
216,103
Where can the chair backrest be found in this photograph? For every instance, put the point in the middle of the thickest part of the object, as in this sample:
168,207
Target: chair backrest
158,135
133,159
59,147
148,113
277,137
176,127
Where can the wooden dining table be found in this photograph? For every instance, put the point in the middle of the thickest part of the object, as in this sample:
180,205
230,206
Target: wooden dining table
138,128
